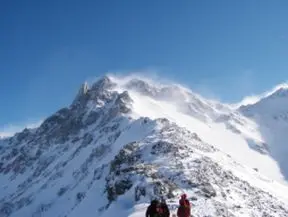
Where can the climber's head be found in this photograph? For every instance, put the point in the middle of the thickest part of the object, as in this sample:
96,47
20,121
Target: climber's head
184,196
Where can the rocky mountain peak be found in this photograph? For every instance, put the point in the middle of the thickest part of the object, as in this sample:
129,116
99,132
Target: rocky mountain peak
273,103
99,92
103,84
279,93
142,87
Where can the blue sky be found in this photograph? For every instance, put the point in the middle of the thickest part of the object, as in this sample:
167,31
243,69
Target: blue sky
226,49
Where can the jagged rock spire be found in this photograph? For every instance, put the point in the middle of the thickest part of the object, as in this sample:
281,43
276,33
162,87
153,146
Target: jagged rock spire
84,88
96,90
82,92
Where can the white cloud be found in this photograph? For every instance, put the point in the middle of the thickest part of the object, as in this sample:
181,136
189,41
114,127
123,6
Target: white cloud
11,129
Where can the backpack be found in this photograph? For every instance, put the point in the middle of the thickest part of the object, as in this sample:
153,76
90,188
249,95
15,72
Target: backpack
184,202
159,211
187,203
165,210
155,210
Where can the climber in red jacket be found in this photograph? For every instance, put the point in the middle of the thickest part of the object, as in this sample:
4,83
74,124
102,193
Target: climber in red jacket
184,209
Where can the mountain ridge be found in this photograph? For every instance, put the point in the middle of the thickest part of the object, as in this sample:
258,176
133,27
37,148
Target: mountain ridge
253,99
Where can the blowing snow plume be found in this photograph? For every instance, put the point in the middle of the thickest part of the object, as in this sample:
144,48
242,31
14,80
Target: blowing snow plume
123,142
255,98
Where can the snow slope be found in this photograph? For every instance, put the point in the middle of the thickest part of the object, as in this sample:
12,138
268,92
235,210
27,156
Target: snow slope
271,115
124,141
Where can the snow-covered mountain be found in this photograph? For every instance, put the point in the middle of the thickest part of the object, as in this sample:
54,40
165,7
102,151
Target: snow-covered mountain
124,141
271,115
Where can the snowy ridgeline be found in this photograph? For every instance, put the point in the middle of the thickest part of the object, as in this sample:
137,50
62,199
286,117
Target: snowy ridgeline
103,156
